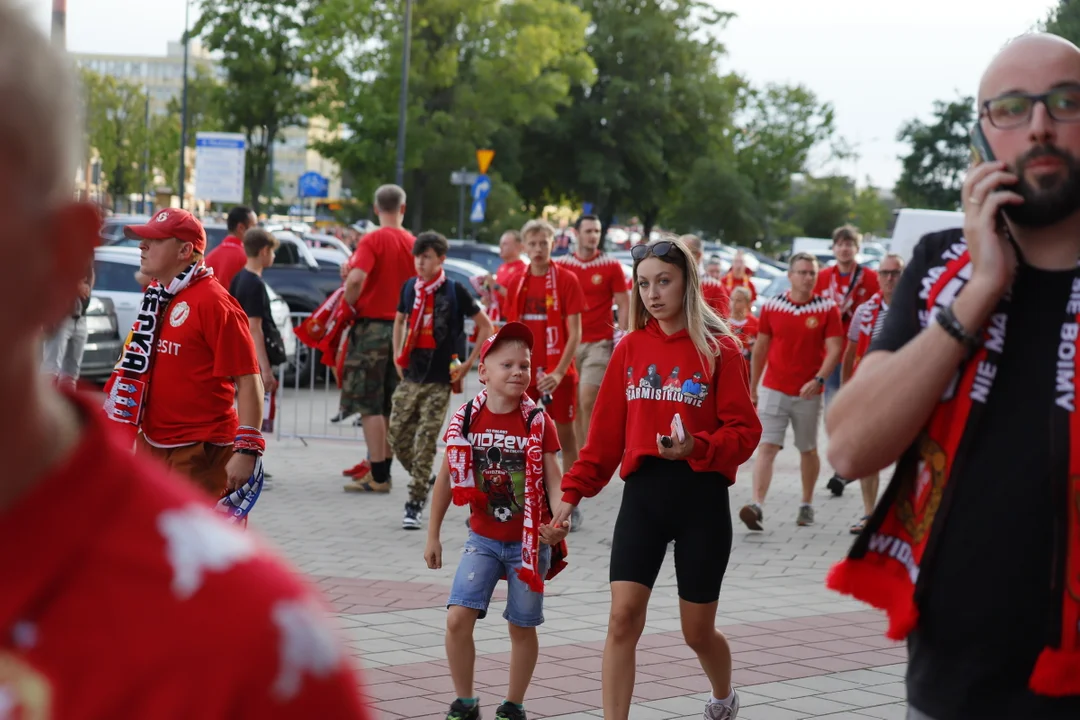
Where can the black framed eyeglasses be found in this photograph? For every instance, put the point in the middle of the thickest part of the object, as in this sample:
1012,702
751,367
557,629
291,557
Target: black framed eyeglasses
1013,110
659,249
890,273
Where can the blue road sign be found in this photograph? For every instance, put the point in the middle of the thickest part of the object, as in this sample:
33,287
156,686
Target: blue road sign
480,190
313,185
587,208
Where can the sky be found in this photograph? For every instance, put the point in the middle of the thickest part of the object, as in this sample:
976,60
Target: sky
879,63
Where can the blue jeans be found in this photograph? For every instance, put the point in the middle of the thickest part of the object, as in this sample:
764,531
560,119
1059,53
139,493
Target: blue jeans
832,385
483,562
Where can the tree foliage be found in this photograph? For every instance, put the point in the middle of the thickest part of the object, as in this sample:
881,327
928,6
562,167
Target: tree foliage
116,127
630,138
1064,20
264,49
478,68
934,169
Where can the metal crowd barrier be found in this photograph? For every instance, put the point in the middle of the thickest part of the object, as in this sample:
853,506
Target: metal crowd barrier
308,397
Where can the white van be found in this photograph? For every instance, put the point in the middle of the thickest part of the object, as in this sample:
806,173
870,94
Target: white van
912,224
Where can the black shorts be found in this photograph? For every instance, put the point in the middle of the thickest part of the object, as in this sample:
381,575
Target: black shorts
663,501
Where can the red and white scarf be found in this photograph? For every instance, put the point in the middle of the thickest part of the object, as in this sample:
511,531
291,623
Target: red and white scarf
126,390
883,567
555,337
423,306
327,330
845,301
464,490
866,329
730,282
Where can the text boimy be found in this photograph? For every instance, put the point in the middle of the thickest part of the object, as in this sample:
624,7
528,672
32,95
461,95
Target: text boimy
1066,365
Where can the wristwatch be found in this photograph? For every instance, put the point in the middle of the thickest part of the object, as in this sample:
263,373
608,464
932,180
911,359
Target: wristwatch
820,380
946,318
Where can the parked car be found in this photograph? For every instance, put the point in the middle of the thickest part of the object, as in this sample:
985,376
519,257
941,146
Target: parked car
318,241
103,341
486,256
112,229
114,269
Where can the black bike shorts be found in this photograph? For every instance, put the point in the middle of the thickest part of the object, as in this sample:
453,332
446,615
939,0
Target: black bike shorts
665,500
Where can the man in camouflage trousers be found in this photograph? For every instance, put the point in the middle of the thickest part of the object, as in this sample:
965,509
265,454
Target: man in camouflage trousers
429,334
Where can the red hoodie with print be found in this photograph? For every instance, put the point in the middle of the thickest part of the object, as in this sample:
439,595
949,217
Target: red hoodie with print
651,377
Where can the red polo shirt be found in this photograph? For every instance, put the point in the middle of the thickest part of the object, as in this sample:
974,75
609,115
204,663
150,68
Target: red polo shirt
126,597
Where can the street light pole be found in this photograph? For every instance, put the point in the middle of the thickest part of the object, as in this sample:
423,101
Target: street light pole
146,155
403,104
183,102
59,24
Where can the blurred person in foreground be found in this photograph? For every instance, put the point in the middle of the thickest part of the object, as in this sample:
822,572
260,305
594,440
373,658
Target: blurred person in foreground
974,549
98,547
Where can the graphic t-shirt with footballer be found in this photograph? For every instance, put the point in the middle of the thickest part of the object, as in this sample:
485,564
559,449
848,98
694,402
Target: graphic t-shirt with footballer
499,443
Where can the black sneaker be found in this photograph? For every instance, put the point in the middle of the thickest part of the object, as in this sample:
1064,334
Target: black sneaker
510,711
836,485
461,711
413,516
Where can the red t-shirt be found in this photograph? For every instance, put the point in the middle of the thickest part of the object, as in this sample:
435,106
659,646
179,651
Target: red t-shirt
716,295
499,443
534,314
798,333
227,259
125,596
385,255
203,343
509,272
731,282
746,330
867,286
651,377
600,279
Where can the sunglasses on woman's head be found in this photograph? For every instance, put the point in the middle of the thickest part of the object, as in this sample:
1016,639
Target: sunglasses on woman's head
659,249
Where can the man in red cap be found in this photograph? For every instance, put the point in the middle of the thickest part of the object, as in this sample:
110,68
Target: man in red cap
188,357
101,549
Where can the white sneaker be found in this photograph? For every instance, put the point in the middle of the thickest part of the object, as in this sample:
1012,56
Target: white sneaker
722,711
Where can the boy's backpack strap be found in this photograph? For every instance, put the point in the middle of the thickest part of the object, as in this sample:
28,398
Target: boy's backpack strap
466,419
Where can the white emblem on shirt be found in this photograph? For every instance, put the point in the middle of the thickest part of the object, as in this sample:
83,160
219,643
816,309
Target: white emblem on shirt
307,645
199,542
179,314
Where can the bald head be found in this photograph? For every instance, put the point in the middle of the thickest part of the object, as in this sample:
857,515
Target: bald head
1031,63
693,242
1041,149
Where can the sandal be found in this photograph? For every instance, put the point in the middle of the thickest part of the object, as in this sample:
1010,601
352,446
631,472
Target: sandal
858,527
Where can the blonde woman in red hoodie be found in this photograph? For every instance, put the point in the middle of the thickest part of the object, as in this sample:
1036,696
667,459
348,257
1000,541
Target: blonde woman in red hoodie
676,485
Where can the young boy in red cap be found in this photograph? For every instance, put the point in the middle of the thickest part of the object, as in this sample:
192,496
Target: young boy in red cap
501,460
189,356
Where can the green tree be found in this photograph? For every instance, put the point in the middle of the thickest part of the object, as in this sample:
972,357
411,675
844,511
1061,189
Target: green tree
1064,20
263,49
776,127
477,67
870,212
820,205
934,169
630,139
116,128
715,201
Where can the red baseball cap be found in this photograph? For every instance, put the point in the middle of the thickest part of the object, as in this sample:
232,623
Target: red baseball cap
510,330
171,223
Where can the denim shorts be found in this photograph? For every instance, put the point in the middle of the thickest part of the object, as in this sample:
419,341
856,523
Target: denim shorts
483,562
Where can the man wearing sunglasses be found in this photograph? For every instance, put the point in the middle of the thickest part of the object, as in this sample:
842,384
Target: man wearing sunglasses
971,388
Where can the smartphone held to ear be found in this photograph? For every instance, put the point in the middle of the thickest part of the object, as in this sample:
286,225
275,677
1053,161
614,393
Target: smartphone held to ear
980,148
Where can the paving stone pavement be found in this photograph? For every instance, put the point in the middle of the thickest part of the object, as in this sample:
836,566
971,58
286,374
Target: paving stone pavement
799,650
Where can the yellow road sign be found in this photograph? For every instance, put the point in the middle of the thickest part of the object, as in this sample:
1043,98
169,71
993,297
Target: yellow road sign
483,159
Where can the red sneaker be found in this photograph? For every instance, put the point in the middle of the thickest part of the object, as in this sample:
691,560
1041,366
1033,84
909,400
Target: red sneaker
359,470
